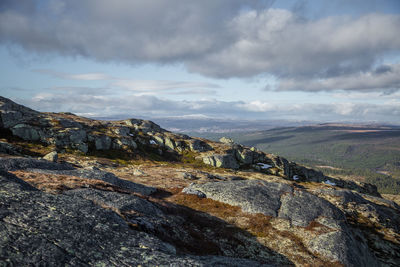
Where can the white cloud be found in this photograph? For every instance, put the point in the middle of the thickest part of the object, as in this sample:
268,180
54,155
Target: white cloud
149,87
257,106
152,85
81,76
152,106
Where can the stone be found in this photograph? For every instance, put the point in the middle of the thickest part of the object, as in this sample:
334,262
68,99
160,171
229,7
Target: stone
191,191
301,208
77,136
52,156
189,176
122,143
197,145
226,140
26,132
102,142
7,148
159,139
170,143
10,164
244,156
12,113
83,147
88,227
221,161
122,130
252,196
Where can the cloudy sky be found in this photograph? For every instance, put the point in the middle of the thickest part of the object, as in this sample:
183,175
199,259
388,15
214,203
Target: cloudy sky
237,59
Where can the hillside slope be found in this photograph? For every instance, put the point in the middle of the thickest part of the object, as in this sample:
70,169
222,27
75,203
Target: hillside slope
368,153
75,191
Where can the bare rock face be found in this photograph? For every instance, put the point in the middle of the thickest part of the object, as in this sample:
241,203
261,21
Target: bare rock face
7,148
12,114
197,145
86,227
252,196
222,161
301,209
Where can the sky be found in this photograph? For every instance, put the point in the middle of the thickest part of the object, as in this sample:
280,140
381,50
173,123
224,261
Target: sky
323,61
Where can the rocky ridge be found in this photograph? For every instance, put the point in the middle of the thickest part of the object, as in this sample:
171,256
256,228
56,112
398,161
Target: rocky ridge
130,193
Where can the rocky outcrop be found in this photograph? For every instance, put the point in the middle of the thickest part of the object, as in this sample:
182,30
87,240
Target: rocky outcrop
57,230
87,227
222,161
261,210
9,149
67,131
12,114
301,209
197,145
252,196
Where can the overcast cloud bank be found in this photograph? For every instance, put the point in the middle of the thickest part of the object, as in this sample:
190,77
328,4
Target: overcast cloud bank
218,38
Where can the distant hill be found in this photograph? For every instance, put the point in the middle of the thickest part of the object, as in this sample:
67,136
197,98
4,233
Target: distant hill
202,124
360,152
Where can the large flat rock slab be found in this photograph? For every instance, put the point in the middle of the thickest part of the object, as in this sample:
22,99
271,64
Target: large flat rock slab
252,196
40,229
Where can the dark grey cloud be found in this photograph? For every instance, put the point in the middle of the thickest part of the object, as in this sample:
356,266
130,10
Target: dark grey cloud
217,38
385,78
278,42
121,30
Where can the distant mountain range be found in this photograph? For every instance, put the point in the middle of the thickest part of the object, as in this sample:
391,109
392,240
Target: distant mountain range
190,124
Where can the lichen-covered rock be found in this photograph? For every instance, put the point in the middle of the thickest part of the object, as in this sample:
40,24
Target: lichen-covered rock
7,148
244,155
102,142
9,164
52,156
170,143
226,140
122,143
122,130
222,161
12,114
77,136
251,195
197,145
87,227
26,132
191,191
301,209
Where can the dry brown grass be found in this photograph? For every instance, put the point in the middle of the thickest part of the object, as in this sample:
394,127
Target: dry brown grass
285,242
395,198
54,183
